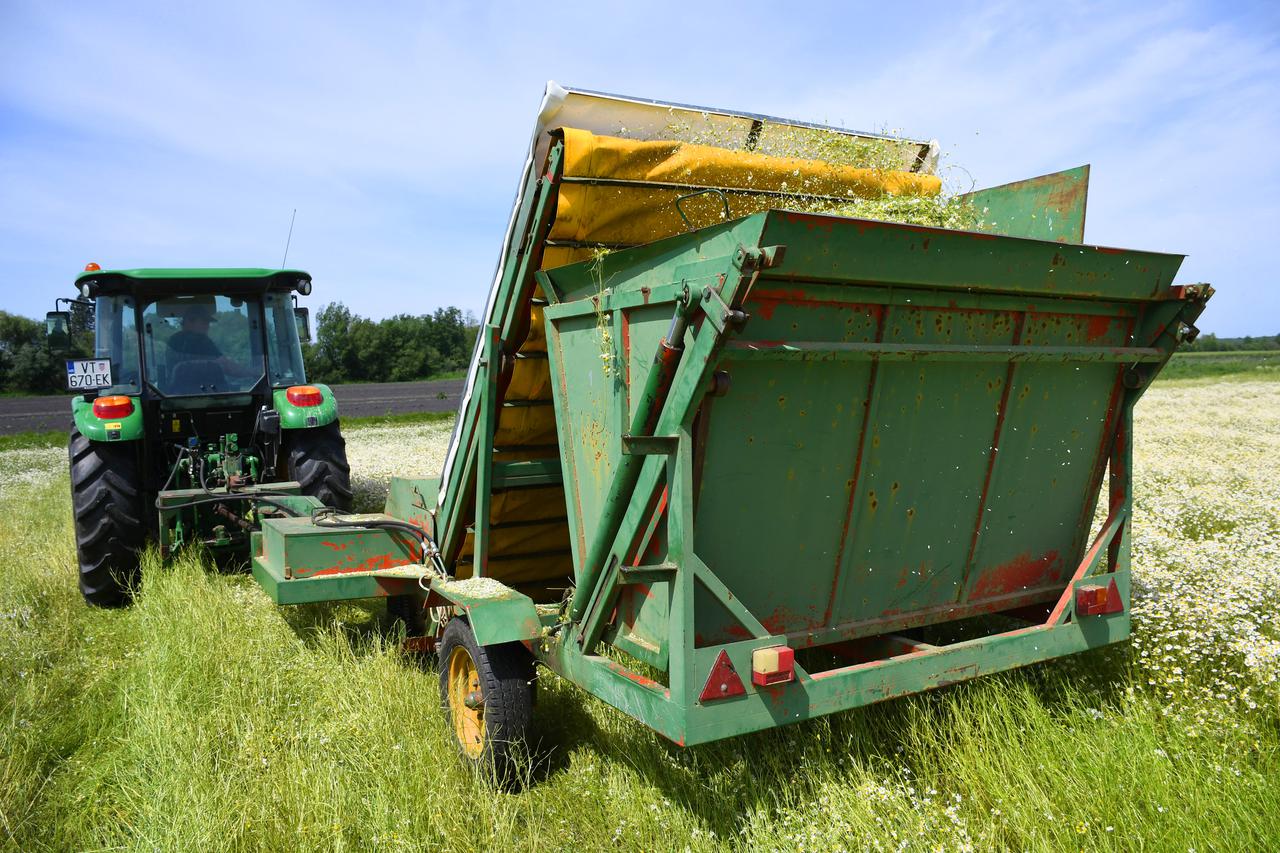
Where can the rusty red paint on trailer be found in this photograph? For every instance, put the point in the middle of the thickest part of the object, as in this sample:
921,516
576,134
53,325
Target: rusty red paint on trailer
1065,196
764,302
372,564
784,619
337,546
1022,572
1098,327
904,577
636,677
810,221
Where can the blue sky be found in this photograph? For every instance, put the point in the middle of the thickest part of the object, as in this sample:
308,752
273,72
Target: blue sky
185,134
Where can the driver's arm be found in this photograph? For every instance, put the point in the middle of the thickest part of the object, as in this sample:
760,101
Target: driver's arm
232,367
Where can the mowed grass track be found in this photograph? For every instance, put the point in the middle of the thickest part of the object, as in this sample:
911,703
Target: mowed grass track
205,718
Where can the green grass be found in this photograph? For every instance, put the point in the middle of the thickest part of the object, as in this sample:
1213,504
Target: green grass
1226,365
204,718
20,440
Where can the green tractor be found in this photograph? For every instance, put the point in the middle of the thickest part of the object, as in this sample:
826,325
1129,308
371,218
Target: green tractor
194,420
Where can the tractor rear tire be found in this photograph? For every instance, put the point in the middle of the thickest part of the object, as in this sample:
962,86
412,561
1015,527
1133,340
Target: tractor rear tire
487,695
317,459
110,518
407,608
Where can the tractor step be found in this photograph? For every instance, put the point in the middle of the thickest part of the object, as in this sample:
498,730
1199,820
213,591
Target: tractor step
297,561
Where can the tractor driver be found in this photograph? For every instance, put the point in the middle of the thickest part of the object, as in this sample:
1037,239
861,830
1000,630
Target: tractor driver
192,343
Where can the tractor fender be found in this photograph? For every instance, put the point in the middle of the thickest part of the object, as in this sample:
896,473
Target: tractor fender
497,613
94,428
305,417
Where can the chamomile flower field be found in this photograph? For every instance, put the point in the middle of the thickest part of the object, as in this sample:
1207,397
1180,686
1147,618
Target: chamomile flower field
206,718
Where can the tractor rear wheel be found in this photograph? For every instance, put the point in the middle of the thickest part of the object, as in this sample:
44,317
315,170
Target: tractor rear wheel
407,608
110,519
317,460
487,694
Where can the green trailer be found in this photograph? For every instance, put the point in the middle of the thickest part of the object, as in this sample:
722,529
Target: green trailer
774,467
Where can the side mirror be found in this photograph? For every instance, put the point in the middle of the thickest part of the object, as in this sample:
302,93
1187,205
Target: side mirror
302,317
57,331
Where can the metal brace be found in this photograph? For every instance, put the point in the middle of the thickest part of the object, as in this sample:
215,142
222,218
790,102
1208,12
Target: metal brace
649,445
719,314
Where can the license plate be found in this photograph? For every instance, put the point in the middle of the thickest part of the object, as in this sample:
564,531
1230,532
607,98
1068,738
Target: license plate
84,374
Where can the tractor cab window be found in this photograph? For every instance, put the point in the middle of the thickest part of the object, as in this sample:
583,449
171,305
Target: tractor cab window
284,352
115,337
202,344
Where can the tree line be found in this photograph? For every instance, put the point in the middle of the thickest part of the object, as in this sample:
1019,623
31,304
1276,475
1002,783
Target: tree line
27,364
349,348
345,348
1212,343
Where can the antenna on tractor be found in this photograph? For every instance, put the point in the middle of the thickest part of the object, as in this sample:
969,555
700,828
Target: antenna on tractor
288,239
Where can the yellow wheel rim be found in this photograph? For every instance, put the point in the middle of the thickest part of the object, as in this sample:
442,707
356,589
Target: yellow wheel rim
466,705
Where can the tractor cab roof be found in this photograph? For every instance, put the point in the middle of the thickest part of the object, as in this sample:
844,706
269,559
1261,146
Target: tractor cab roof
160,281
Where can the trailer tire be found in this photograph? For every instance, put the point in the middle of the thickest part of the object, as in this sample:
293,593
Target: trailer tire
491,729
317,460
110,520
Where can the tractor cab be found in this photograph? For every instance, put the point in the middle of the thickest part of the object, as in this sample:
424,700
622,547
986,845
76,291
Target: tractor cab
198,333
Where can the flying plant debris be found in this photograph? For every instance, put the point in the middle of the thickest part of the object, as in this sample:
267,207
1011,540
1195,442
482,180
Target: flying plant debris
826,151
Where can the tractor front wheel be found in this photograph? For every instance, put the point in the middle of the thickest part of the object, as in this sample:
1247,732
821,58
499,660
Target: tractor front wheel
317,460
110,519
487,694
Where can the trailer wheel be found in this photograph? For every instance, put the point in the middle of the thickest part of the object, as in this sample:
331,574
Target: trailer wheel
487,695
110,522
317,459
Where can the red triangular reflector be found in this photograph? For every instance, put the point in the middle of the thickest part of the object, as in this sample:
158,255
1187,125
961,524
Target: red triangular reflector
1114,604
723,681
